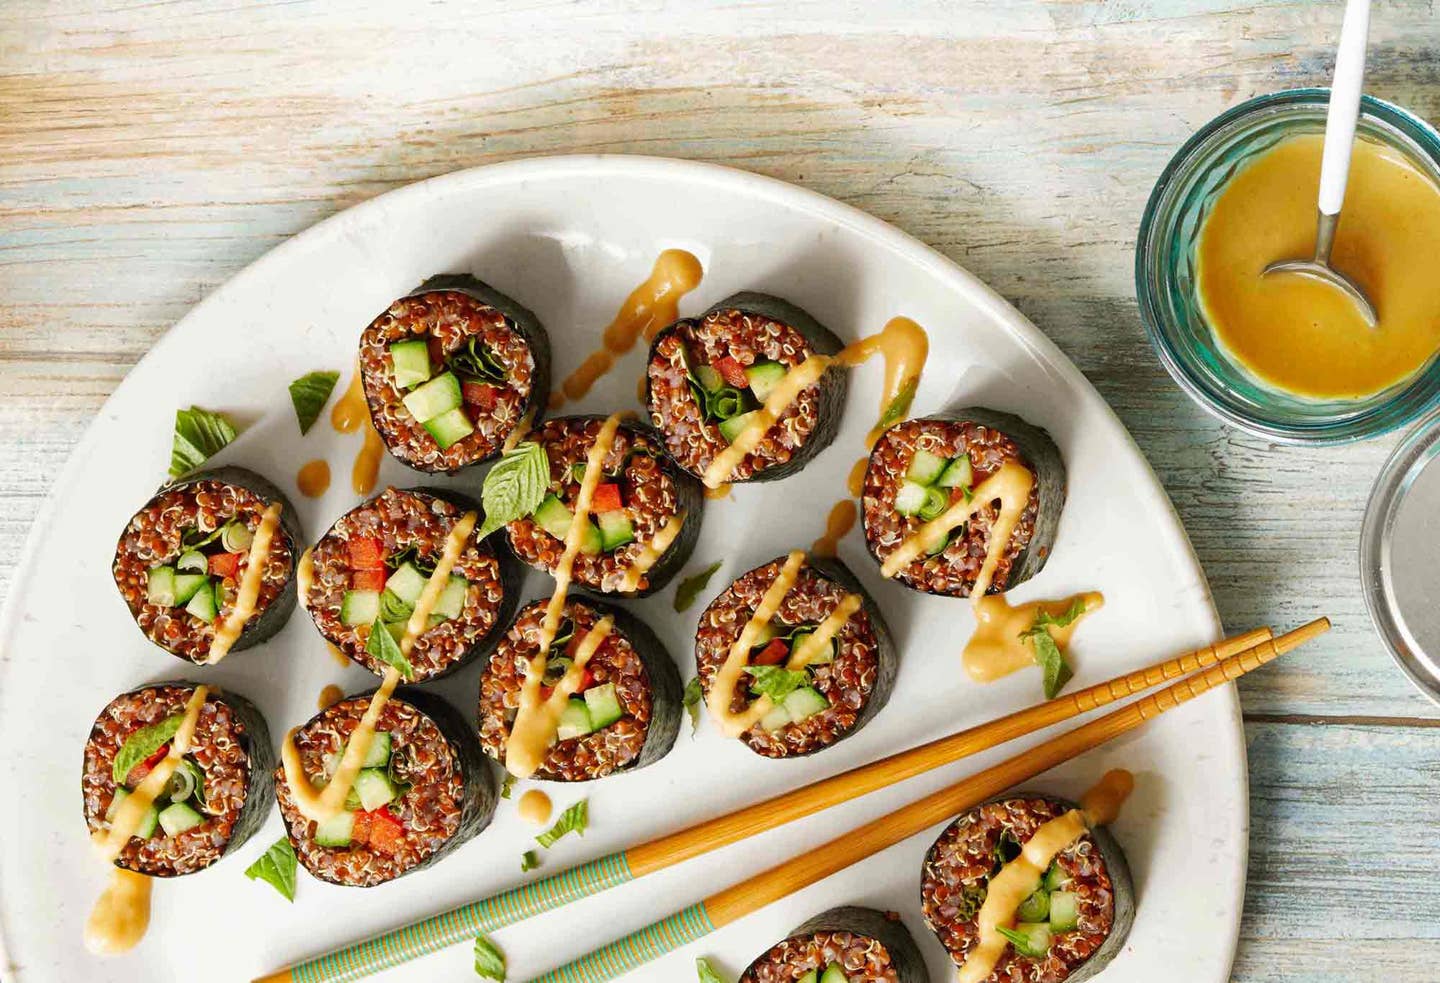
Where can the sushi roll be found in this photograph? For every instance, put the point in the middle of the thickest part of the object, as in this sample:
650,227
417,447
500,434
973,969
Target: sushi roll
920,468
625,713
708,378
451,370
183,564
645,512
843,945
217,795
425,789
762,623
376,560
1069,929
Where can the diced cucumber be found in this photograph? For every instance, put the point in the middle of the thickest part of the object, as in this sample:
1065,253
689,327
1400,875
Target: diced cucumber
204,604
236,536
604,705
440,395
186,584
178,817
731,428
834,973
1064,911
1037,939
449,427
1055,878
378,754
148,823
335,831
554,517
709,379
407,582
776,718
574,720
615,529
936,501
160,586
925,468
374,787
826,654
452,599
764,377
810,977
763,633
910,499
805,702
958,473
591,542
192,561
359,607
1035,908
411,362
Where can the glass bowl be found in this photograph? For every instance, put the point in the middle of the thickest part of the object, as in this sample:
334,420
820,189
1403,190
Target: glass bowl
1165,282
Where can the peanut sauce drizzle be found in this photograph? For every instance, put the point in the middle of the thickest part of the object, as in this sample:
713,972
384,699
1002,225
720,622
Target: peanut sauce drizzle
329,696
840,521
651,552
653,305
122,914
721,490
348,415
1020,878
998,647
227,633
313,478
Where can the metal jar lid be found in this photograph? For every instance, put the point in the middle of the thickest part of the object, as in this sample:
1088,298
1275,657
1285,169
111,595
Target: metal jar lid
1400,555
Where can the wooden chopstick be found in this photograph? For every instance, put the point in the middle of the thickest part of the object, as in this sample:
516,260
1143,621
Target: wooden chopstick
488,914
756,892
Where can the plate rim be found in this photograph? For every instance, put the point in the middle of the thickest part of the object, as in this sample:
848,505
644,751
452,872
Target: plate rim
746,183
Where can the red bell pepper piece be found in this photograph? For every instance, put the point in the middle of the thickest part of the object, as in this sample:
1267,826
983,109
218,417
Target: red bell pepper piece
138,773
731,371
773,654
360,832
368,579
480,395
366,553
386,833
607,498
437,354
225,564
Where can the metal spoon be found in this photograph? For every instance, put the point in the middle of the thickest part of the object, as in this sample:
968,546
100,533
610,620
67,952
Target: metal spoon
1340,120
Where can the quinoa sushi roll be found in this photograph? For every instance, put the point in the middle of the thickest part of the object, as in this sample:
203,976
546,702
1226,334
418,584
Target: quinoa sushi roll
451,371
625,712
373,564
644,515
843,945
217,795
424,790
708,378
921,468
1068,929
183,564
810,617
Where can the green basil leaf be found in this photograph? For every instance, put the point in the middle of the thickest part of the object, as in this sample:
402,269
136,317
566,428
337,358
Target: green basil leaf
573,820
1051,661
141,744
899,407
529,860
393,607
515,486
693,697
199,436
309,394
776,682
1020,941
383,646
705,973
477,361
412,556
276,867
507,785
689,588
1043,618
489,960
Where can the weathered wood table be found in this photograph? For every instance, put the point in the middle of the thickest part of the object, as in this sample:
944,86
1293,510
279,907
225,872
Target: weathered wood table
149,150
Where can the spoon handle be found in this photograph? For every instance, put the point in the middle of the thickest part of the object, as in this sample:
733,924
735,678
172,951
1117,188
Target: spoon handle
1344,105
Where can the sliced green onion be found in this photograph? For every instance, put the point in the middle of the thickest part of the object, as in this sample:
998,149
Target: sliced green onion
393,607
936,502
726,403
236,536
192,561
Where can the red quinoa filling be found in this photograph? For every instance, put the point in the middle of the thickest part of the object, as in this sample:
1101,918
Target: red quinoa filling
953,568
370,566
614,681
635,500
201,520
220,782
697,360
476,367
844,684
861,958
374,845
972,849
